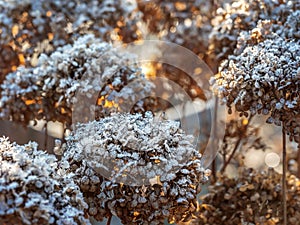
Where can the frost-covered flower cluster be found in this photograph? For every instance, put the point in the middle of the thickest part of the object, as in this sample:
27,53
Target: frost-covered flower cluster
251,198
267,29
136,168
33,191
292,25
237,16
263,79
87,77
32,27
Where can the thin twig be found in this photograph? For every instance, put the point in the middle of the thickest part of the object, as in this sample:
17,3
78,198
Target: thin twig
109,220
237,144
215,117
213,170
224,155
63,131
284,176
46,136
298,161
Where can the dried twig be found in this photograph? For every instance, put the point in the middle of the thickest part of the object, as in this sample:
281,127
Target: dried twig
236,146
298,161
284,176
109,220
46,136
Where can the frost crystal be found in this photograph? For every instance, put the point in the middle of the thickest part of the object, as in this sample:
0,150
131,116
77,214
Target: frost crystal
78,77
263,79
128,164
29,27
236,16
31,191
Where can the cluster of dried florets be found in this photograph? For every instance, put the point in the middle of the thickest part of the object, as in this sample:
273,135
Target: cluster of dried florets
292,25
267,29
292,127
32,27
74,78
136,168
252,198
263,79
237,16
33,191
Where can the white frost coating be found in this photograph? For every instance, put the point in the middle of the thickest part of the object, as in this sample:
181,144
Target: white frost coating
73,74
143,165
235,17
31,191
272,86
98,17
109,143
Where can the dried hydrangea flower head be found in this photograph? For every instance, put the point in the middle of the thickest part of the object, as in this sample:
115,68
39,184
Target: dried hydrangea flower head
237,16
33,27
88,69
32,190
136,168
251,198
292,26
263,79
267,29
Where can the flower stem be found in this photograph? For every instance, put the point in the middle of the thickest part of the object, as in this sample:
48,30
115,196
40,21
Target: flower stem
109,220
298,161
46,136
215,145
284,176
237,144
